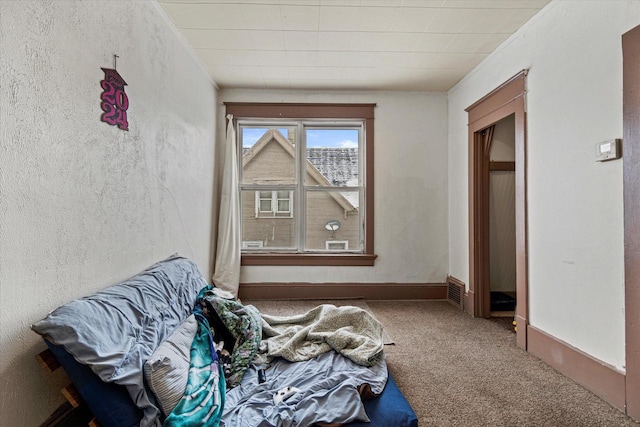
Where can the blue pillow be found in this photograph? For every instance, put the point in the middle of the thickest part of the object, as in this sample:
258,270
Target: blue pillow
390,409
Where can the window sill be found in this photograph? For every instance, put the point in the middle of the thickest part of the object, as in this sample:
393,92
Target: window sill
345,260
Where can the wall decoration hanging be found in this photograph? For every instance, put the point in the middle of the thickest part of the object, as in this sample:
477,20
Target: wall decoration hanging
114,100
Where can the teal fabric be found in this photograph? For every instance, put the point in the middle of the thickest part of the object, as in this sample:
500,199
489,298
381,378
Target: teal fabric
204,398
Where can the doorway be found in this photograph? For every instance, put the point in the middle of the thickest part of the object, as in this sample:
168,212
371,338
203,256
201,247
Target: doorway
502,219
501,109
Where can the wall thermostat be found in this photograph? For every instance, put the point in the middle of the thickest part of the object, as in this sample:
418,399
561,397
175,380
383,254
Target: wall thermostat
608,150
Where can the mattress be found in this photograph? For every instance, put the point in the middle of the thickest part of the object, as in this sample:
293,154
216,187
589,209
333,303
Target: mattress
112,406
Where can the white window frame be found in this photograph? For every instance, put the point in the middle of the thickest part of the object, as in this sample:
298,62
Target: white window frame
277,199
259,200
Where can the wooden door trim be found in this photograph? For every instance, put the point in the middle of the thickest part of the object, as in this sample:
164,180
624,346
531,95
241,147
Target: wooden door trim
631,190
503,101
502,166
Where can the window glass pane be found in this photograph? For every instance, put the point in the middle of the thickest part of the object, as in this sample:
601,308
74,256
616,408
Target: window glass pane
332,218
265,205
265,201
283,201
283,205
274,231
334,154
268,155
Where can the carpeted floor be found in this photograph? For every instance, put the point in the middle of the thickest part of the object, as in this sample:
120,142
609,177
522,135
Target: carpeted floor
456,370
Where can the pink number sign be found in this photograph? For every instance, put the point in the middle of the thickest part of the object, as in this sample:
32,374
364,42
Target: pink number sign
114,101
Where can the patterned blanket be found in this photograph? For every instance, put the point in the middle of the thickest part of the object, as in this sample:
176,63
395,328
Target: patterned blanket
241,328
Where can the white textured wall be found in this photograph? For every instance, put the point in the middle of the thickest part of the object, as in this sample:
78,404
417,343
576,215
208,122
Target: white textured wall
574,100
410,188
83,204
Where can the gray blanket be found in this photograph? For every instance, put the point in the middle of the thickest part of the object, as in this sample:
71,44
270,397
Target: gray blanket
351,331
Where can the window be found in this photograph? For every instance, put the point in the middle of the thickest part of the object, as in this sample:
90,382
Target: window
283,202
337,245
252,244
306,183
273,203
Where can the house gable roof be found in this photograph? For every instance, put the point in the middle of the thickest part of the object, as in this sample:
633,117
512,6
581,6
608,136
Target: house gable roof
275,135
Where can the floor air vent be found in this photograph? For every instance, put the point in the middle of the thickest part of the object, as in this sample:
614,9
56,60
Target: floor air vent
455,292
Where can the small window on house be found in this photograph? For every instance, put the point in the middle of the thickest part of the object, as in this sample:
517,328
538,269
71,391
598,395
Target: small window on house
300,171
283,201
264,201
337,245
248,244
273,203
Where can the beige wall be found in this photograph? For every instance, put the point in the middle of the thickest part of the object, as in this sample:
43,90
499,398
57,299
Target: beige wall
83,204
503,144
502,231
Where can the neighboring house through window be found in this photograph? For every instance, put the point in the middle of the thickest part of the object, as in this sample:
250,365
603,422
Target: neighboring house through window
306,183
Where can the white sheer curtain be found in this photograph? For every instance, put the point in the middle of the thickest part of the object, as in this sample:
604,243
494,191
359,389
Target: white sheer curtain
227,267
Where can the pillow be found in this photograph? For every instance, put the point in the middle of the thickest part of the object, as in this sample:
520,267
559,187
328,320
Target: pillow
167,370
114,331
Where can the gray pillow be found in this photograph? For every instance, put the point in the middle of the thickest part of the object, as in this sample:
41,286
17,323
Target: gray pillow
167,370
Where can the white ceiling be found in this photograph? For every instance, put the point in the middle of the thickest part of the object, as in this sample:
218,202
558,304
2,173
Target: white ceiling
346,44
